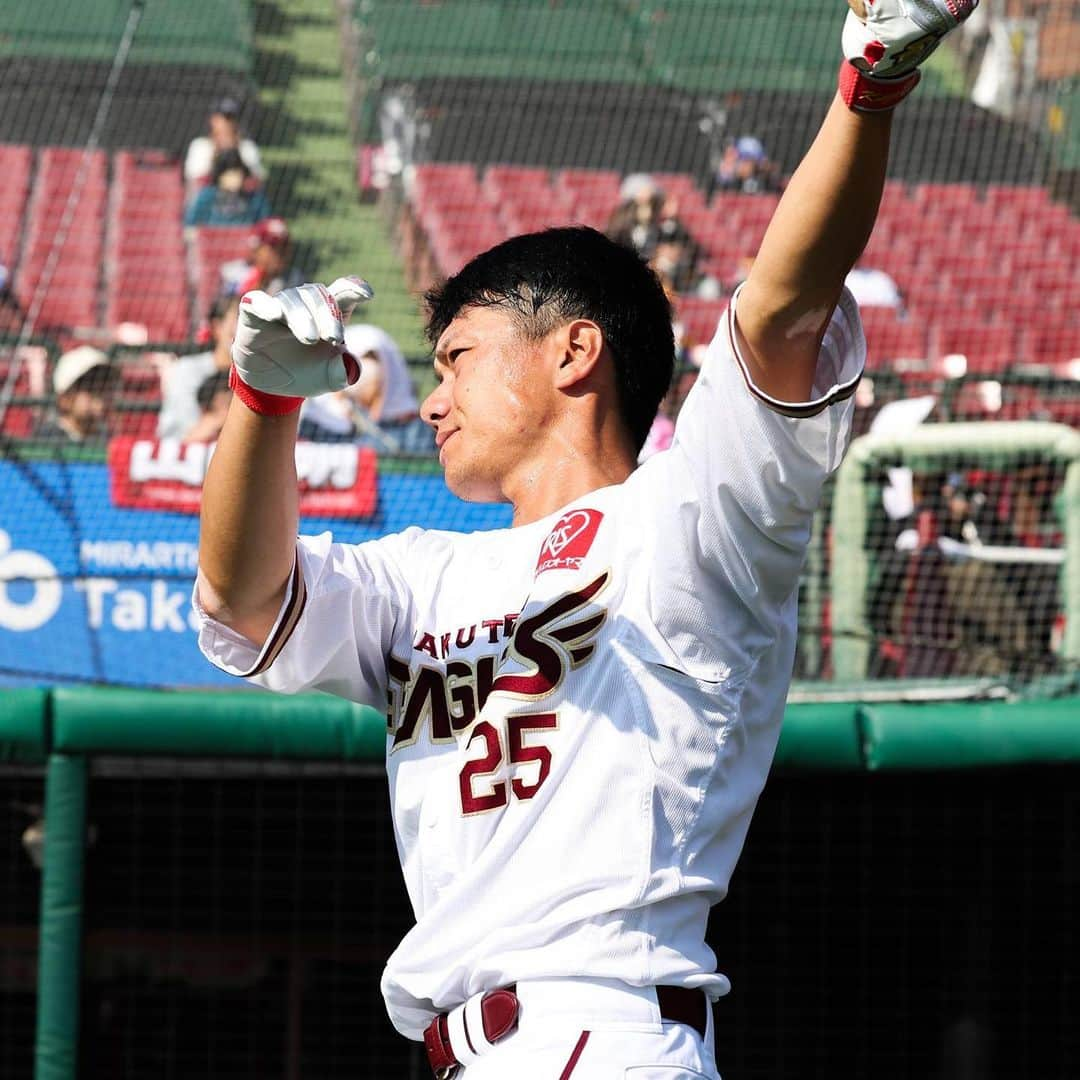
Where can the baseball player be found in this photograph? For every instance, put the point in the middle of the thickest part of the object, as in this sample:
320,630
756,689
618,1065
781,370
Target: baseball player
581,709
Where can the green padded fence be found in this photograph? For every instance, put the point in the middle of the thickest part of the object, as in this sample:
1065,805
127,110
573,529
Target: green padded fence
23,725
216,33
60,928
840,734
311,727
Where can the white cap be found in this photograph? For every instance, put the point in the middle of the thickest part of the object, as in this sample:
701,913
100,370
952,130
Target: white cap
635,186
73,365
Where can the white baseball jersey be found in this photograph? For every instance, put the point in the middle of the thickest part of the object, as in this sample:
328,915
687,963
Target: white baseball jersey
581,712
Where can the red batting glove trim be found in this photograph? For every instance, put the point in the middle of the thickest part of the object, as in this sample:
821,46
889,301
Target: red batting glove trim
864,93
259,401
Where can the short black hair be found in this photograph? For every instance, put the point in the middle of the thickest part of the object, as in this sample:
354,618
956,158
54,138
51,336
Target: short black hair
551,277
227,160
220,306
210,387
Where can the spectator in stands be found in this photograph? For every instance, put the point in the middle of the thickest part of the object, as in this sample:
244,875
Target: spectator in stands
11,314
213,397
180,383
223,133
380,409
84,382
745,168
648,221
872,287
235,197
270,266
635,222
675,257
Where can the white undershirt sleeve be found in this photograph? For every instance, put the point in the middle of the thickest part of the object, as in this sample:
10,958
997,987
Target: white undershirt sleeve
335,627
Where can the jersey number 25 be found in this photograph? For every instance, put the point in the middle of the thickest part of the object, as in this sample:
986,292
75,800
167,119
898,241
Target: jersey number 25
496,795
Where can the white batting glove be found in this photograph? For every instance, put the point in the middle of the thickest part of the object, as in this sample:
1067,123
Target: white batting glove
885,41
292,345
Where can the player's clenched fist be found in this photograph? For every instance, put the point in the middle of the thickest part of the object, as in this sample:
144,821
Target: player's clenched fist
291,346
885,41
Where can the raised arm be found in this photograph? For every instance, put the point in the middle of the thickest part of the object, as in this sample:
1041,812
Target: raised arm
828,210
287,348
250,516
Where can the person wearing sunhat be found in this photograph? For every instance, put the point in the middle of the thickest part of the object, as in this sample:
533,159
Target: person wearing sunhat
84,381
223,133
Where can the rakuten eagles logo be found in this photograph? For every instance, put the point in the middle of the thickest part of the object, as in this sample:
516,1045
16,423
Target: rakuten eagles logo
569,542
30,589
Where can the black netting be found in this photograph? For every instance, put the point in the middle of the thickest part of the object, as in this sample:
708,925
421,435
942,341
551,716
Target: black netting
238,918
237,922
21,837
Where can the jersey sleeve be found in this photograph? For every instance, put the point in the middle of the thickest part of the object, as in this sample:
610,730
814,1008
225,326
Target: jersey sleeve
734,497
335,628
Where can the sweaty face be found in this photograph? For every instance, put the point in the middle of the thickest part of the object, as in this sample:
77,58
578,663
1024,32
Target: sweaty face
491,404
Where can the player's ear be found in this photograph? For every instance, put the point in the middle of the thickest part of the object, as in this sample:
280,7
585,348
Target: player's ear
581,345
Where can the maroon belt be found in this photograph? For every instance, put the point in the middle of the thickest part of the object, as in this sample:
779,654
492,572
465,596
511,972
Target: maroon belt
498,1016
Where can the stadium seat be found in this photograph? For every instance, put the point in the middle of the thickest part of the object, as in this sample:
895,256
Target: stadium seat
166,318
989,347
890,338
137,423
699,318
68,308
1016,197
953,197
10,234
504,181
1055,344
590,185
18,422
212,246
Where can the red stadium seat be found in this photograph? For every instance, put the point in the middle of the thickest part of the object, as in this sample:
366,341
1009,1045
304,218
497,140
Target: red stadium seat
890,338
989,347
699,318
1055,344
591,185
18,422
10,233
1016,197
64,308
138,423
166,318
955,197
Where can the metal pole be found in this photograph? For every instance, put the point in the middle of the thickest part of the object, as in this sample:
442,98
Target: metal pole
60,926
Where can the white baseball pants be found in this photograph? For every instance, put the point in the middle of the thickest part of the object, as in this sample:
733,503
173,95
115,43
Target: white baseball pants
595,1029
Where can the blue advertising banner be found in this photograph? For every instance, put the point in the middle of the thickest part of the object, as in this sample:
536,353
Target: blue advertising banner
94,593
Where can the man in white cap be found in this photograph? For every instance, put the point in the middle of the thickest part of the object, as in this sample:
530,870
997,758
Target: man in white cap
84,381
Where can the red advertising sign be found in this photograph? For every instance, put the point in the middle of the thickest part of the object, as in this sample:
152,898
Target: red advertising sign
336,479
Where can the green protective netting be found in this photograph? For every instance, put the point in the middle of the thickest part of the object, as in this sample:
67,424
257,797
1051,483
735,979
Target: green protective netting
399,138
198,32
672,43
